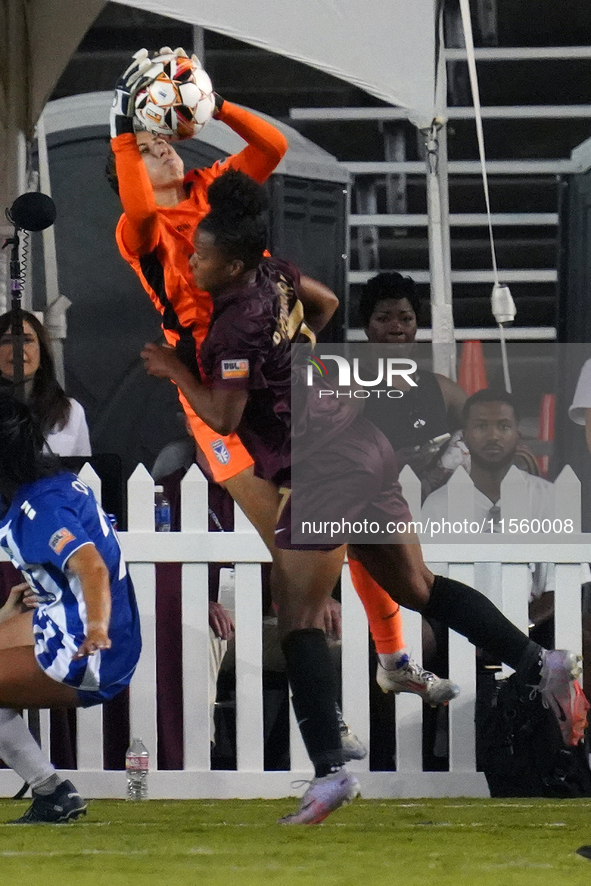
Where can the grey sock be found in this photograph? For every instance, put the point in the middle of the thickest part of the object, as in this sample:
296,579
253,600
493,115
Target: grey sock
20,751
48,786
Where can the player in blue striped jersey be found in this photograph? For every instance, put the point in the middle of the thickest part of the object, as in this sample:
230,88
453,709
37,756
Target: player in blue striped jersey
80,644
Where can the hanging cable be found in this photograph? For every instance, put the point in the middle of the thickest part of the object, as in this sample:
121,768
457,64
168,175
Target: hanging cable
503,306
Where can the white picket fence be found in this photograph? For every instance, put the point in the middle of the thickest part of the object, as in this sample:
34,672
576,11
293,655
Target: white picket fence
194,547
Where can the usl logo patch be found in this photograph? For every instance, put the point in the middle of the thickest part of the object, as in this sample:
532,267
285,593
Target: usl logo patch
235,368
60,539
220,452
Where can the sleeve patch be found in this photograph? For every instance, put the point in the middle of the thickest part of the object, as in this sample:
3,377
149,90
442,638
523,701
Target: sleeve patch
235,369
60,539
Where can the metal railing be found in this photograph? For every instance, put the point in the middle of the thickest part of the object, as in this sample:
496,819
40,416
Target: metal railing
368,224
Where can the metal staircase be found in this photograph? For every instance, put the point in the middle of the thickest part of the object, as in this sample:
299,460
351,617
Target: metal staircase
528,151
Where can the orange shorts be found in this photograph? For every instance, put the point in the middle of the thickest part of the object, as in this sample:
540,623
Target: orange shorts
226,456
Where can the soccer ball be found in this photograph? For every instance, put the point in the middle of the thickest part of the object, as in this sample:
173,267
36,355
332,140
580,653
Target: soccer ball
178,101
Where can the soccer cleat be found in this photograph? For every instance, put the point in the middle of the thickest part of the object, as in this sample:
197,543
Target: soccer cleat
408,676
324,796
352,747
63,805
562,693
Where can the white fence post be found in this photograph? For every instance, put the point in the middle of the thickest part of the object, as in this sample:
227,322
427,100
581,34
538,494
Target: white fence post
409,708
411,489
195,626
567,607
89,476
354,659
249,668
460,496
142,692
462,745
567,491
514,498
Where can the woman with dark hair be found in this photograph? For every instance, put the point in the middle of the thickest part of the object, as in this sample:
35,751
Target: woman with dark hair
81,644
385,287
389,310
61,418
246,387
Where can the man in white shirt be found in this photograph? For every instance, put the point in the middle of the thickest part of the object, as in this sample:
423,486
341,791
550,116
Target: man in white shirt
491,436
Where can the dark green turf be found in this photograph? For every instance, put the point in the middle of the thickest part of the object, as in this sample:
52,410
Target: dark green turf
451,842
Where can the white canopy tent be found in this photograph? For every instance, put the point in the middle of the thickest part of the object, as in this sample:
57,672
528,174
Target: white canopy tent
385,48
388,49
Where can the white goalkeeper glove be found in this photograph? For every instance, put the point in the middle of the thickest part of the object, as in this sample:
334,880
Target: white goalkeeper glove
132,79
165,53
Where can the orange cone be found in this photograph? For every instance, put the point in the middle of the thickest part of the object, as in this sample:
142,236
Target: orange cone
546,430
472,375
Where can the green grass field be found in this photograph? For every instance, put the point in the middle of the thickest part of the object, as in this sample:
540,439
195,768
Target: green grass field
238,843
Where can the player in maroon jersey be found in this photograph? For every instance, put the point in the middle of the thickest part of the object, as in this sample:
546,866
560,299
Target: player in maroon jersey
245,386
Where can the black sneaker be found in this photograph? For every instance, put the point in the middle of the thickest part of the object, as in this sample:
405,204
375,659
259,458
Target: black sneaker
65,804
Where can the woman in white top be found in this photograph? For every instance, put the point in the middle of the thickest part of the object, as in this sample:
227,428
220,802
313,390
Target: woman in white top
62,418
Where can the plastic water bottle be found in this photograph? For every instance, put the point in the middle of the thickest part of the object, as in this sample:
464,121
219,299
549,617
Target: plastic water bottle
137,765
161,511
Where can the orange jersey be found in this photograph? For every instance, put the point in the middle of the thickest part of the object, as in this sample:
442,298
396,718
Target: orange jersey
158,241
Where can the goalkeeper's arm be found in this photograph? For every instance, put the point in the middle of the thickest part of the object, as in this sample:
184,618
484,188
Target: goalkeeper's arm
266,145
136,195
133,185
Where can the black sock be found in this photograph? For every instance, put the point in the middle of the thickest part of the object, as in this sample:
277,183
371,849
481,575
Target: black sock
473,615
311,676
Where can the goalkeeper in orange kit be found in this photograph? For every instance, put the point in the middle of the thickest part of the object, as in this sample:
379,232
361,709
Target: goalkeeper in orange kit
162,206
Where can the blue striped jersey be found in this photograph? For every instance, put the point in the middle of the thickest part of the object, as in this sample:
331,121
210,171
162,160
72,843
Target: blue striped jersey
46,522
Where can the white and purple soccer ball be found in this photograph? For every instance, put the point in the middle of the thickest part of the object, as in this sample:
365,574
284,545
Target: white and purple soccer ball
178,101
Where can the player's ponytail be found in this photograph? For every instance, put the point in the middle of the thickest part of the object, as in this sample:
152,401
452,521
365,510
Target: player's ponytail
237,218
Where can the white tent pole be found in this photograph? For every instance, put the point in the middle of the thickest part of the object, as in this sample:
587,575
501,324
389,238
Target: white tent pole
442,323
199,43
439,251
56,305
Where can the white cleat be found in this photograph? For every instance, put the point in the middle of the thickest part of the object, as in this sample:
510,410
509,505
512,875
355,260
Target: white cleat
562,693
324,796
411,677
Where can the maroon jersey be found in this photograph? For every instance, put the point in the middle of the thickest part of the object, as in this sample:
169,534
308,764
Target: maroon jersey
247,347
